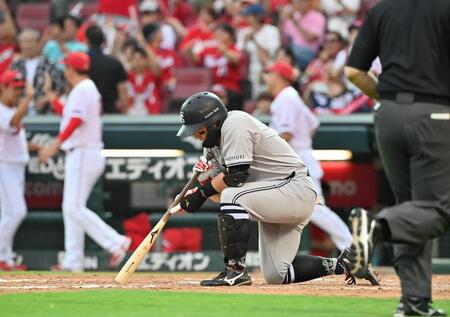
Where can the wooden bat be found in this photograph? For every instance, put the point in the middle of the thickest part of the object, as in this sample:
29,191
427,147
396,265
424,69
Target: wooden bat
138,255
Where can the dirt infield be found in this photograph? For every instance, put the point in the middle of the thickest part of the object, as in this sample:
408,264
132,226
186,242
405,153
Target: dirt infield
328,286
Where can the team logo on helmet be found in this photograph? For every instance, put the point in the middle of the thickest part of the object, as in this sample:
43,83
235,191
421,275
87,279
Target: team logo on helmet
182,117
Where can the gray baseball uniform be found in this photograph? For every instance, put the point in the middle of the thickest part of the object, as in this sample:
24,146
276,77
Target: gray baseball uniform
279,193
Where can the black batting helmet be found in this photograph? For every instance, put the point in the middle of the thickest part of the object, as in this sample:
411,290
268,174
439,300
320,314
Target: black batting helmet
201,109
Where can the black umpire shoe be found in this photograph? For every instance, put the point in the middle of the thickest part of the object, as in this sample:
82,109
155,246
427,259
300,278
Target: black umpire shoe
417,307
365,233
229,278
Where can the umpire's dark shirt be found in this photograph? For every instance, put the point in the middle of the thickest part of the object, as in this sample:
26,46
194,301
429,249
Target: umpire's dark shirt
106,72
412,39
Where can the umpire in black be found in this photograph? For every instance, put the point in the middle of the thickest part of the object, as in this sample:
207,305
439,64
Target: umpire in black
412,40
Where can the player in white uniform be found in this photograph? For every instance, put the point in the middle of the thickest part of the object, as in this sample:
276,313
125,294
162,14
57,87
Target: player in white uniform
13,160
296,123
80,138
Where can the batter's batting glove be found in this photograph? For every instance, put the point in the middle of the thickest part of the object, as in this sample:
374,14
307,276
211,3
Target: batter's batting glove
191,202
194,199
201,165
205,168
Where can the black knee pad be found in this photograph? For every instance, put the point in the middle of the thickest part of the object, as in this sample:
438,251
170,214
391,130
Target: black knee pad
234,235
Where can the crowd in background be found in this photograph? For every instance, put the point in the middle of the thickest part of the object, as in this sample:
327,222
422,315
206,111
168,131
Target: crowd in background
138,47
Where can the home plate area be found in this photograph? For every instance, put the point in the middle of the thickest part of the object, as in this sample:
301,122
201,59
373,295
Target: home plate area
327,286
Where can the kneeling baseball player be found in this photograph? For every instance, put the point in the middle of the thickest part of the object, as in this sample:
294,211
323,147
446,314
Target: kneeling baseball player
256,176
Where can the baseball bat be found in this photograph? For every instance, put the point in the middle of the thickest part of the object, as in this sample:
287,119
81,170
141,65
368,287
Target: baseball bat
138,255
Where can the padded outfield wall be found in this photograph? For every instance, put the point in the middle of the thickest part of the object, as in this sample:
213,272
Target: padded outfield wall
147,163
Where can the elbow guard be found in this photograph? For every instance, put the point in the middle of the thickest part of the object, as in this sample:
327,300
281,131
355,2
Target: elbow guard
236,176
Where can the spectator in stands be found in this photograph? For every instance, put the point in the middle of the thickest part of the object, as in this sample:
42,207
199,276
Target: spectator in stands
55,50
150,13
304,28
340,13
107,72
125,55
166,62
142,86
34,67
220,91
223,58
262,104
260,41
8,34
180,10
199,35
323,90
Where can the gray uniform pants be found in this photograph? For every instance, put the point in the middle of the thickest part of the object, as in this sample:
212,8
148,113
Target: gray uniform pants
282,208
414,145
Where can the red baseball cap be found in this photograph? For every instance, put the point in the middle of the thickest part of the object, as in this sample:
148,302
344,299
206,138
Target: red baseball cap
282,68
12,78
78,61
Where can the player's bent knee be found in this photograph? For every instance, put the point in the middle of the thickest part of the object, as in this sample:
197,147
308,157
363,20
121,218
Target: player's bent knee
228,194
273,277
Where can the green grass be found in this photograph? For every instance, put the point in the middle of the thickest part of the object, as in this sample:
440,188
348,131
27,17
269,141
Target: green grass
132,303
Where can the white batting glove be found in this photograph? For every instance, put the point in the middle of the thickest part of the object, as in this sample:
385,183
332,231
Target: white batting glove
201,165
204,177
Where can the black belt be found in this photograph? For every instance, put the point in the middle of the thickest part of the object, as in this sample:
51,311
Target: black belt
410,97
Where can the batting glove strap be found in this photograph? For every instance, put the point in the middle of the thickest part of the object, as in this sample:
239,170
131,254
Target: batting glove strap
207,190
191,203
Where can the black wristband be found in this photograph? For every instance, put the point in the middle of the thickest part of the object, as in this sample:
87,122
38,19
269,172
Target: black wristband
207,190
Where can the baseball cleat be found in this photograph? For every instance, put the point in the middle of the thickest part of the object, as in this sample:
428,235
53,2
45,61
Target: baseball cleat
229,278
372,276
417,307
118,256
343,267
364,231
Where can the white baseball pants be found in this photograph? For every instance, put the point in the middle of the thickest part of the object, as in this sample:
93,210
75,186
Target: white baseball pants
83,167
13,208
323,217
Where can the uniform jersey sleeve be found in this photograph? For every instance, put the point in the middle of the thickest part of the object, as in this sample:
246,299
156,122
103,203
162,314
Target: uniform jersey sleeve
365,49
79,103
217,166
237,142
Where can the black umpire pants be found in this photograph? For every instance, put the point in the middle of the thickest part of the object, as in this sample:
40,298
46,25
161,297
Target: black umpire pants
414,145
